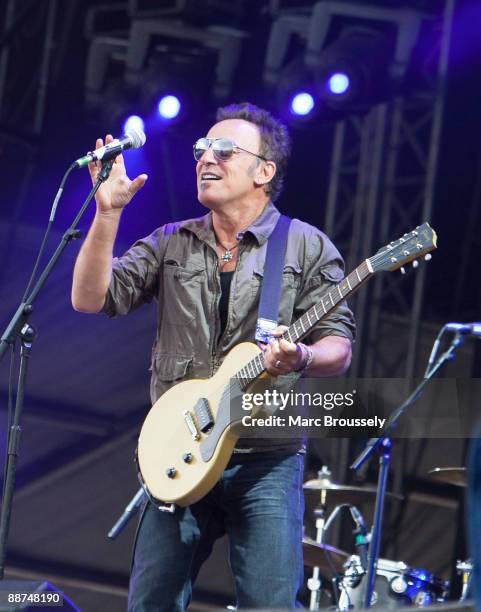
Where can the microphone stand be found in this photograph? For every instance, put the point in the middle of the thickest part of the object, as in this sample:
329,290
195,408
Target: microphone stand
19,327
131,508
382,446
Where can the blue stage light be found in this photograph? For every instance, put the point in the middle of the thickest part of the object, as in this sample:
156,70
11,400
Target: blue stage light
338,83
169,107
302,103
135,122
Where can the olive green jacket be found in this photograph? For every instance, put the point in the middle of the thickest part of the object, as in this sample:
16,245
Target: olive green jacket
181,272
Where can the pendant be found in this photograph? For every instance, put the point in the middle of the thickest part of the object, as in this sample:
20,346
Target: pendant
227,256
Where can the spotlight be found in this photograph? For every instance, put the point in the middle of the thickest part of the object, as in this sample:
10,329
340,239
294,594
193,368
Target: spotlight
302,103
294,96
135,122
169,107
352,73
338,83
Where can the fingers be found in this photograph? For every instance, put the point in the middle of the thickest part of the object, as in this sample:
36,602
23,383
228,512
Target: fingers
280,357
93,167
137,183
119,159
282,349
279,331
284,344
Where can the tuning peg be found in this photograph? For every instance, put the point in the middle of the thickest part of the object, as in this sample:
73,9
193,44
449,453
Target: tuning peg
428,257
402,270
415,263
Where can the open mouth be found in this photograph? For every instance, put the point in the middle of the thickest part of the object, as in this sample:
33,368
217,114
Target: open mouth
209,176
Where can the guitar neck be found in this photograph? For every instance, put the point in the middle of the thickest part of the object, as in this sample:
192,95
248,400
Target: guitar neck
300,328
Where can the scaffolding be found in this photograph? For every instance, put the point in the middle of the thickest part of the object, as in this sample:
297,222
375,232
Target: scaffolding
381,185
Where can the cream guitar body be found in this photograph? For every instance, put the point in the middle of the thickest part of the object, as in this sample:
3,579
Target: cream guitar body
170,451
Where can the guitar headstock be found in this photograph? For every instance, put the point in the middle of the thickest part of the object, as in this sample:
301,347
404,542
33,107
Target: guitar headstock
417,243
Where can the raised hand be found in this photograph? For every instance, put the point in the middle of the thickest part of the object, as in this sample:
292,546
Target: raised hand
117,191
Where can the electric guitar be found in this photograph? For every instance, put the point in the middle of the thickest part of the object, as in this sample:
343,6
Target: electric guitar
189,434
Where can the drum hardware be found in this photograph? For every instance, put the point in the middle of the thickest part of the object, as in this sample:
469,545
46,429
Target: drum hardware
465,568
455,476
396,585
382,445
314,583
361,535
325,560
322,526
323,491
322,486
329,559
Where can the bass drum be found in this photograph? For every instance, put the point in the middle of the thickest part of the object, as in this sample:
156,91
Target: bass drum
396,585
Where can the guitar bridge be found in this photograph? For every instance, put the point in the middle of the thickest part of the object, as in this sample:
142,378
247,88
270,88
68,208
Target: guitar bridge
204,415
192,427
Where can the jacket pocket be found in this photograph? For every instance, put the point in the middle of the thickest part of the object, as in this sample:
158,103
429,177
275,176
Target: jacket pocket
331,273
182,293
171,367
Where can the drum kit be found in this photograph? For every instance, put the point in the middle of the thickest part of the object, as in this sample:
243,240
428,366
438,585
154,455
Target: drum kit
396,583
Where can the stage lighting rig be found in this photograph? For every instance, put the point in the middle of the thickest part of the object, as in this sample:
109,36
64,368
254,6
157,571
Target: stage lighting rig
302,103
405,24
354,54
119,76
295,96
353,72
224,42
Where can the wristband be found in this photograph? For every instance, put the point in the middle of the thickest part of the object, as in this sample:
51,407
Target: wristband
307,356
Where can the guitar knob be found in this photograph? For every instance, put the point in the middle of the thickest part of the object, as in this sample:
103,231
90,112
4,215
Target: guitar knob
187,457
402,270
428,257
171,472
415,263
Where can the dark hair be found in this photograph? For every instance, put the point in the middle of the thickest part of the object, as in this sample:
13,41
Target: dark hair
275,141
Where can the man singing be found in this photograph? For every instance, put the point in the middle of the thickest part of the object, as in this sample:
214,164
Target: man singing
206,277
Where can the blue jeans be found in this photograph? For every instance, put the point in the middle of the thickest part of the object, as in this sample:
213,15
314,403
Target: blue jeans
259,504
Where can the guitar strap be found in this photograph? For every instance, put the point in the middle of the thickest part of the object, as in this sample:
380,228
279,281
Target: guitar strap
272,281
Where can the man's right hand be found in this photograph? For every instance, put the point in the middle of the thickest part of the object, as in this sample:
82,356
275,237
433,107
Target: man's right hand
93,268
118,189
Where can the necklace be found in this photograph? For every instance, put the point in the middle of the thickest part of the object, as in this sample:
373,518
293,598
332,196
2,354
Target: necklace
228,254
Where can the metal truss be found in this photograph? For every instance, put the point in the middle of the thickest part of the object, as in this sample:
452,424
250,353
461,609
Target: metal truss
382,184
133,47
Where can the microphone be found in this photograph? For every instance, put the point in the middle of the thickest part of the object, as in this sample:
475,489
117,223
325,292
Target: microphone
132,139
361,534
470,329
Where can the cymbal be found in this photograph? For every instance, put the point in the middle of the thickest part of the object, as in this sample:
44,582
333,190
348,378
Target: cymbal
323,491
330,560
450,475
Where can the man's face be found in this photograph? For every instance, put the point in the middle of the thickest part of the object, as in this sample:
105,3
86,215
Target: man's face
234,178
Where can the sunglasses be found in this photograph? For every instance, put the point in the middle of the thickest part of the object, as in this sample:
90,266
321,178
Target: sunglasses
222,148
